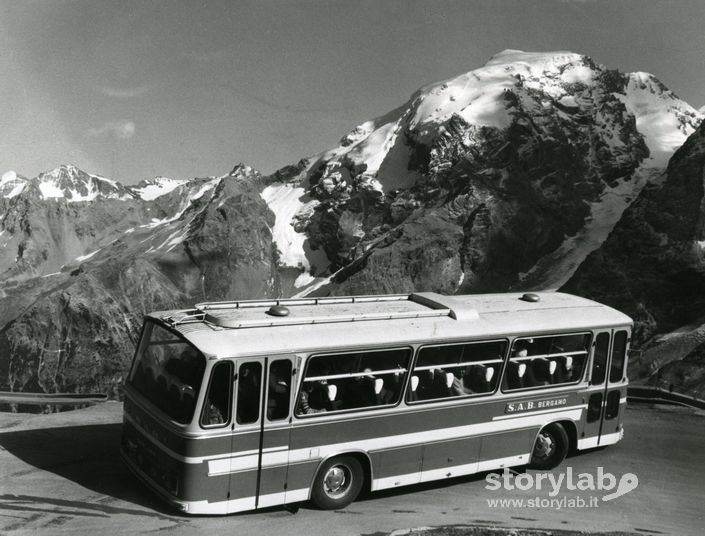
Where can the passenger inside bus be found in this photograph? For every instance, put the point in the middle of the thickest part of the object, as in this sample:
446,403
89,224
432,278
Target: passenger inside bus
279,390
459,385
217,407
481,378
388,390
248,393
360,392
311,399
543,370
432,384
514,377
565,371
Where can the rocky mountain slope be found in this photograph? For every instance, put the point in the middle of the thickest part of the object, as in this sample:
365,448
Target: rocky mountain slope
506,177
75,329
652,266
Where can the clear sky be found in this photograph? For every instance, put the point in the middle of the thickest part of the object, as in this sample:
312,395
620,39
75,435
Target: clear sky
190,88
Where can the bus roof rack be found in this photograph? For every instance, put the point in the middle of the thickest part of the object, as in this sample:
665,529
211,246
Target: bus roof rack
263,313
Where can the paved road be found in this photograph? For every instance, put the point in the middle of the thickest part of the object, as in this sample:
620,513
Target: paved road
60,474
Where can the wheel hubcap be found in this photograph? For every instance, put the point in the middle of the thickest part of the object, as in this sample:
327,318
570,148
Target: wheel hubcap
336,481
545,446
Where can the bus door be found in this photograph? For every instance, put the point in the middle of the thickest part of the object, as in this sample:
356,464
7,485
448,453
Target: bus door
616,388
260,441
276,430
596,392
607,387
245,446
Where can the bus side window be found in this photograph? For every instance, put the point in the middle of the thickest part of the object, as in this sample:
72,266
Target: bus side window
546,361
248,392
619,353
353,381
599,359
216,409
279,390
452,370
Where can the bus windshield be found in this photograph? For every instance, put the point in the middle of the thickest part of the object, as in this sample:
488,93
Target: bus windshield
168,372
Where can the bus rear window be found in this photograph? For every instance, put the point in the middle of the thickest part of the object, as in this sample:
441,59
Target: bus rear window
168,372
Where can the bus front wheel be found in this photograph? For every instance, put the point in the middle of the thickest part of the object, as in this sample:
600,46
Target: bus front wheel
551,447
338,483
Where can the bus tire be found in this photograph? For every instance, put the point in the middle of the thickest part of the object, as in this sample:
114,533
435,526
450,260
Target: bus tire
337,483
551,447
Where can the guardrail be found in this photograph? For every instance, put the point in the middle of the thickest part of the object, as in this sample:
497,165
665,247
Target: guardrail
59,399
643,393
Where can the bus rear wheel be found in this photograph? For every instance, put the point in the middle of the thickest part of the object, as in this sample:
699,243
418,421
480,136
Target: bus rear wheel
551,447
338,483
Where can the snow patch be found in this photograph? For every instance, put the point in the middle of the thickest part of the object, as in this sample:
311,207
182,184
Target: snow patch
476,96
575,73
285,201
175,238
568,101
50,190
376,146
318,282
158,187
304,279
10,181
208,186
88,256
156,222
663,119
535,61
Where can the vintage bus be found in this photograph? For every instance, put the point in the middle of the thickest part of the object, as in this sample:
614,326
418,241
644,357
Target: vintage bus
234,406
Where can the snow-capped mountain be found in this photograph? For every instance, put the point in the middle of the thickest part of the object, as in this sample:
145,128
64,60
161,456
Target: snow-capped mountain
66,183
72,185
530,160
11,184
570,85
79,276
66,215
505,177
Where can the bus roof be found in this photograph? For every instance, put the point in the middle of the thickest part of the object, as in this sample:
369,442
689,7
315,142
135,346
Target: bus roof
245,328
